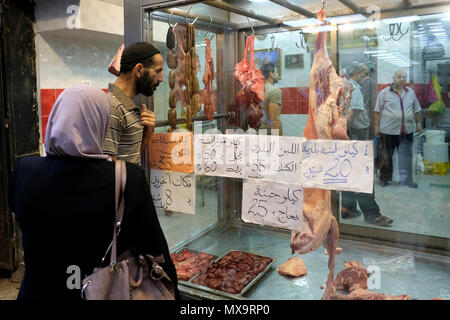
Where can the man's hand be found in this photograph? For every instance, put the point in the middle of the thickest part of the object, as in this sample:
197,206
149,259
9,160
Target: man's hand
418,128
148,117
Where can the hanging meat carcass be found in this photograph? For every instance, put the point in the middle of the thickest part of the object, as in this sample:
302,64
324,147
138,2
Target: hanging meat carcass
114,66
251,95
324,122
208,77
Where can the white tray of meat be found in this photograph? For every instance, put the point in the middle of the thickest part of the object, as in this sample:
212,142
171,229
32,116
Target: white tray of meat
189,263
233,274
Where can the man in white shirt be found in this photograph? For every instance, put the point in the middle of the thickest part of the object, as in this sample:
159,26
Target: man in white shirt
397,116
358,122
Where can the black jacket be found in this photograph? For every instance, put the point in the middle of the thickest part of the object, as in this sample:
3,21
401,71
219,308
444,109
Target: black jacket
65,209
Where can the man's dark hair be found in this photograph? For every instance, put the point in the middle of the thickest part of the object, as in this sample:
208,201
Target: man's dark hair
267,68
139,52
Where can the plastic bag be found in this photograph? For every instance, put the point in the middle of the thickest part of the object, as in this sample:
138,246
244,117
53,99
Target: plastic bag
430,95
438,106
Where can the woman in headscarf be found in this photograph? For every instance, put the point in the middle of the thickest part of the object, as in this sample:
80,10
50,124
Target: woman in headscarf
64,202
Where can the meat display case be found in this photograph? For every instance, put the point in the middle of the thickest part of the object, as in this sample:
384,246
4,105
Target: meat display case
217,226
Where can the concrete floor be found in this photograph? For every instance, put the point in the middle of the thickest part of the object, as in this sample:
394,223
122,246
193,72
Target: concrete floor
425,210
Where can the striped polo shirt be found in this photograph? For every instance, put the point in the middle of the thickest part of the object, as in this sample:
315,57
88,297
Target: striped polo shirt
124,136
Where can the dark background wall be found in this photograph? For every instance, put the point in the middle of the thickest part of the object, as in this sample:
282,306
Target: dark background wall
19,132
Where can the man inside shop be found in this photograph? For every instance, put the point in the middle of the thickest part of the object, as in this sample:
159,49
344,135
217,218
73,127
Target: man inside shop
272,101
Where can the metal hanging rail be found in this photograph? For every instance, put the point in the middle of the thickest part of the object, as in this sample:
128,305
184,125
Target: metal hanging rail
217,22
294,8
166,123
351,5
228,7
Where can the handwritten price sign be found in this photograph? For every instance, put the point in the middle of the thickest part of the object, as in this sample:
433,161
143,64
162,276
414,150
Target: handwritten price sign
171,151
274,158
174,191
219,155
272,204
338,165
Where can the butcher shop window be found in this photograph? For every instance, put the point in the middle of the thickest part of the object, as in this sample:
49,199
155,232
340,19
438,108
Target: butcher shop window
199,211
419,46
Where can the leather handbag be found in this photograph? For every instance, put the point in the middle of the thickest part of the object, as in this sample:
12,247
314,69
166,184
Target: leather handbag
131,276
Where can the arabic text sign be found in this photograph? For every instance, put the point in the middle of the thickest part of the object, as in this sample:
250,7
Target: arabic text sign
220,155
338,165
274,158
174,191
272,204
171,151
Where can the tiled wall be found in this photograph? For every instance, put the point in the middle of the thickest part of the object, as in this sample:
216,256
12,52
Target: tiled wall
294,100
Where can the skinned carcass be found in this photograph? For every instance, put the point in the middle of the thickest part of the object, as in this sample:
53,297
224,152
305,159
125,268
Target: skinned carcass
251,95
208,77
325,121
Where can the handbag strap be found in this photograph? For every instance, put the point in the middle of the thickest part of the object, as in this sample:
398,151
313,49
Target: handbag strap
120,181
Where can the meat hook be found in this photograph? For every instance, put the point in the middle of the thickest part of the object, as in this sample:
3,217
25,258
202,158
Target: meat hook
272,39
173,26
303,43
207,30
187,15
253,30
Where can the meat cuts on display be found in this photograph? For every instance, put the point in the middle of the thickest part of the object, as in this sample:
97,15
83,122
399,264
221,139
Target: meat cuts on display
354,276
233,272
251,95
114,66
324,122
188,263
293,267
190,77
208,77
363,294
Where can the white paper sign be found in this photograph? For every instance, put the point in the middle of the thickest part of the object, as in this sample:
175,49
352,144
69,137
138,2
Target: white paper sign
338,165
274,158
219,155
272,204
174,191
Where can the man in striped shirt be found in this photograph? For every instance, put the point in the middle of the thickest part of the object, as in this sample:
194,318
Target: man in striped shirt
141,71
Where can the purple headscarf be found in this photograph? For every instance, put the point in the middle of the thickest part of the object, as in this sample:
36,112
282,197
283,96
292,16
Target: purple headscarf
78,123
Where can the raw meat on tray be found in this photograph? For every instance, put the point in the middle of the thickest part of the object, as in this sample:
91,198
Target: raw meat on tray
188,263
233,272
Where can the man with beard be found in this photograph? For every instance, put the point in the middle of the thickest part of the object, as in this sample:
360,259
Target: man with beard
272,100
141,71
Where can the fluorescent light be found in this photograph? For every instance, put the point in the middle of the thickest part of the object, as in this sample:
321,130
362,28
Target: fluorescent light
359,26
318,29
401,19
303,22
258,0
440,34
346,18
375,51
